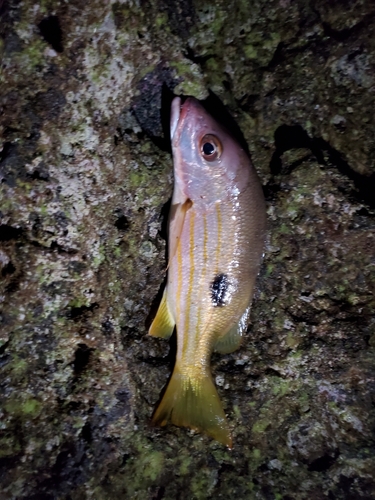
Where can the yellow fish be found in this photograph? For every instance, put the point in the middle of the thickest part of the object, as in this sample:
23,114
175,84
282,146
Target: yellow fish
216,237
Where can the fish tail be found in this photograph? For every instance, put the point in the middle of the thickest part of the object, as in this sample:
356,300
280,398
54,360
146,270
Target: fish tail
192,401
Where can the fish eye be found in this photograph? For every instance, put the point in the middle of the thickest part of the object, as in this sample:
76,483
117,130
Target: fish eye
211,147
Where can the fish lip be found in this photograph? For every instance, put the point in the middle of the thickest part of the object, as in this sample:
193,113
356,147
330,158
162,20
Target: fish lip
175,115
179,113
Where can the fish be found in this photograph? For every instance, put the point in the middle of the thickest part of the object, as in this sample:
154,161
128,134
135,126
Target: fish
217,225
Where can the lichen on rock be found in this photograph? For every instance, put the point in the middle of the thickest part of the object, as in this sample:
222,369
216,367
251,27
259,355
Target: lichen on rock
86,176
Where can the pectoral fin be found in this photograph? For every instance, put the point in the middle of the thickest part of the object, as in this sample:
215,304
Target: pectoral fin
163,323
231,340
177,219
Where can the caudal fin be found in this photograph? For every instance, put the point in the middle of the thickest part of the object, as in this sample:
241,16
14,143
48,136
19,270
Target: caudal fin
194,403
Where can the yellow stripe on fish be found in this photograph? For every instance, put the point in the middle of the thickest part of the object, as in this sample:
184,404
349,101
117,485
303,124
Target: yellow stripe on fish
216,237
190,284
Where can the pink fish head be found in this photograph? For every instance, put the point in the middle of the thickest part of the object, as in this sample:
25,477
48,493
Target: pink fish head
209,164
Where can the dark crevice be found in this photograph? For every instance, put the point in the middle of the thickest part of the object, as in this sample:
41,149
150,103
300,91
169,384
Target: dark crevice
160,133
4,347
289,137
61,249
50,30
7,147
227,364
284,52
81,357
41,496
227,85
70,406
8,269
76,312
54,246
270,190
167,97
152,107
273,372
4,360
16,157
39,175
14,284
158,361
164,214
8,233
345,33
226,469
322,464
365,184
159,493
304,317
129,335
122,222
278,56
107,328
123,396
247,102
3,7
86,433
200,60
67,466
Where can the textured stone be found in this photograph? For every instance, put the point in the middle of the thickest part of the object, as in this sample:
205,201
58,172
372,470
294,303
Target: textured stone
86,175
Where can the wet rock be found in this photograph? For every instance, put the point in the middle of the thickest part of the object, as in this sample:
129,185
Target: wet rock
86,176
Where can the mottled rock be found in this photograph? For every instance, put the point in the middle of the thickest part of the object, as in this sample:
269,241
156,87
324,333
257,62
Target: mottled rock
86,176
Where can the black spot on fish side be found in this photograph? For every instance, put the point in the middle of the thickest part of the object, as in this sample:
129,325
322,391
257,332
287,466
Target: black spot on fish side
219,288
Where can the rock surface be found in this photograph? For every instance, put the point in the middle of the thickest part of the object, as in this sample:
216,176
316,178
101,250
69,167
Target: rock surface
86,175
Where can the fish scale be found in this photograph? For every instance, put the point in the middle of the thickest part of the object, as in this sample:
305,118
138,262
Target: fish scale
216,237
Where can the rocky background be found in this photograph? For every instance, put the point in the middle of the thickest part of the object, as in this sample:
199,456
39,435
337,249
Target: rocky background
86,175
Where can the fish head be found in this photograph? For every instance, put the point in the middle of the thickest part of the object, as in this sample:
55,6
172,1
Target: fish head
209,164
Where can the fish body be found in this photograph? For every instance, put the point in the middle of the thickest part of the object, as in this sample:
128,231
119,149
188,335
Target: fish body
216,237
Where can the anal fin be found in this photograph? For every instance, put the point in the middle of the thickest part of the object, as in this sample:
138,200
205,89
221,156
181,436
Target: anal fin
163,323
231,341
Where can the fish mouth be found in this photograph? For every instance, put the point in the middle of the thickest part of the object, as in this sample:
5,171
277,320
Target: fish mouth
179,112
175,115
